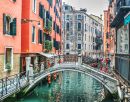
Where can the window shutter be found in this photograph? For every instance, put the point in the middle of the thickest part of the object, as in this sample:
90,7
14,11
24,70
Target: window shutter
4,23
42,8
13,27
39,9
39,36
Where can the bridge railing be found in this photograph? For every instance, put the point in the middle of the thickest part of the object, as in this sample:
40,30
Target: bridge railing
69,58
11,83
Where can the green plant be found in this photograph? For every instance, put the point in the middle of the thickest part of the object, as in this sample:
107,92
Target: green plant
79,29
35,71
48,26
67,29
48,45
79,50
8,67
52,65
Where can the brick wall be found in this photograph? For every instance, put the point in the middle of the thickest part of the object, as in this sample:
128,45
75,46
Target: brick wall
16,66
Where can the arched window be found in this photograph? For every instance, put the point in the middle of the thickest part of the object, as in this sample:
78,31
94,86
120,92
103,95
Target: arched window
67,36
8,21
79,36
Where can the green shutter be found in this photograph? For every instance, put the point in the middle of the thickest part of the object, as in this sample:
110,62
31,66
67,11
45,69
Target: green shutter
4,23
13,27
39,9
39,36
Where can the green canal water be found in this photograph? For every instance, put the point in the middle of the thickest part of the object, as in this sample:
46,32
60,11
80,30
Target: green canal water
69,87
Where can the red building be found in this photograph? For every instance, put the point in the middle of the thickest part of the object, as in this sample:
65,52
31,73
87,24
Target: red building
35,33
10,36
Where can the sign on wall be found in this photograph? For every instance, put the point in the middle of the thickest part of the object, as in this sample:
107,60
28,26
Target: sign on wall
127,19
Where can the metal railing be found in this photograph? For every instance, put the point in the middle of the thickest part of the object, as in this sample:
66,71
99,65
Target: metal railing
70,58
14,82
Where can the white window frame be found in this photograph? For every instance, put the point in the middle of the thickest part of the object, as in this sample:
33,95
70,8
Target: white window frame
11,59
35,6
34,34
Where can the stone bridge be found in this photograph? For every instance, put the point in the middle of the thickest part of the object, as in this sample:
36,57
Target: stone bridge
107,79
104,78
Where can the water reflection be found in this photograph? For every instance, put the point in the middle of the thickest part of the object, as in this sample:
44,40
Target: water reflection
70,87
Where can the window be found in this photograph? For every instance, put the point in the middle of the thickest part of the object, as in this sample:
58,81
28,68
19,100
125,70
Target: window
67,37
66,7
8,57
107,45
41,10
67,25
8,21
85,46
67,46
33,34
85,17
89,38
89,47
79,26
85,27
79,46
34,6
79,16
40,36
79,36
44,25
85,37
44,39
9,25
123,39
67,16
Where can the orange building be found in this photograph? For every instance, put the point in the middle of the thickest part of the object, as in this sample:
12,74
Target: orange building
109,33
37,18
10,37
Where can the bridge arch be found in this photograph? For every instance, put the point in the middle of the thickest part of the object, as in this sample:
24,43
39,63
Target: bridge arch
75,69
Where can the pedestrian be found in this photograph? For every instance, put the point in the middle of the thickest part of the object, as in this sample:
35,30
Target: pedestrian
106,62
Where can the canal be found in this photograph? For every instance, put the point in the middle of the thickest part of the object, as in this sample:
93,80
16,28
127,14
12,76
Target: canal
70,87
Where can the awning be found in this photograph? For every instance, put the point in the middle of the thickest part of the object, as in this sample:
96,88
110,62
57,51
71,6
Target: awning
120,16
45,54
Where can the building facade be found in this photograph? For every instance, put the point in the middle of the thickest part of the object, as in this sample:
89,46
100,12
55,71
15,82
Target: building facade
26,29
72,29
47,25
93,43
10,37
80,31
121,24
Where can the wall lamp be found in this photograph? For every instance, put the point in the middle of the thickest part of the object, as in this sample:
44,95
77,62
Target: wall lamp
28,20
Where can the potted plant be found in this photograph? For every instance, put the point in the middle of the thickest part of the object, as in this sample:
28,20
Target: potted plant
49,26
8,67
67,29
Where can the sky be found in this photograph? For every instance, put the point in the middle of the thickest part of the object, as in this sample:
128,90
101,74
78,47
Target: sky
95,7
